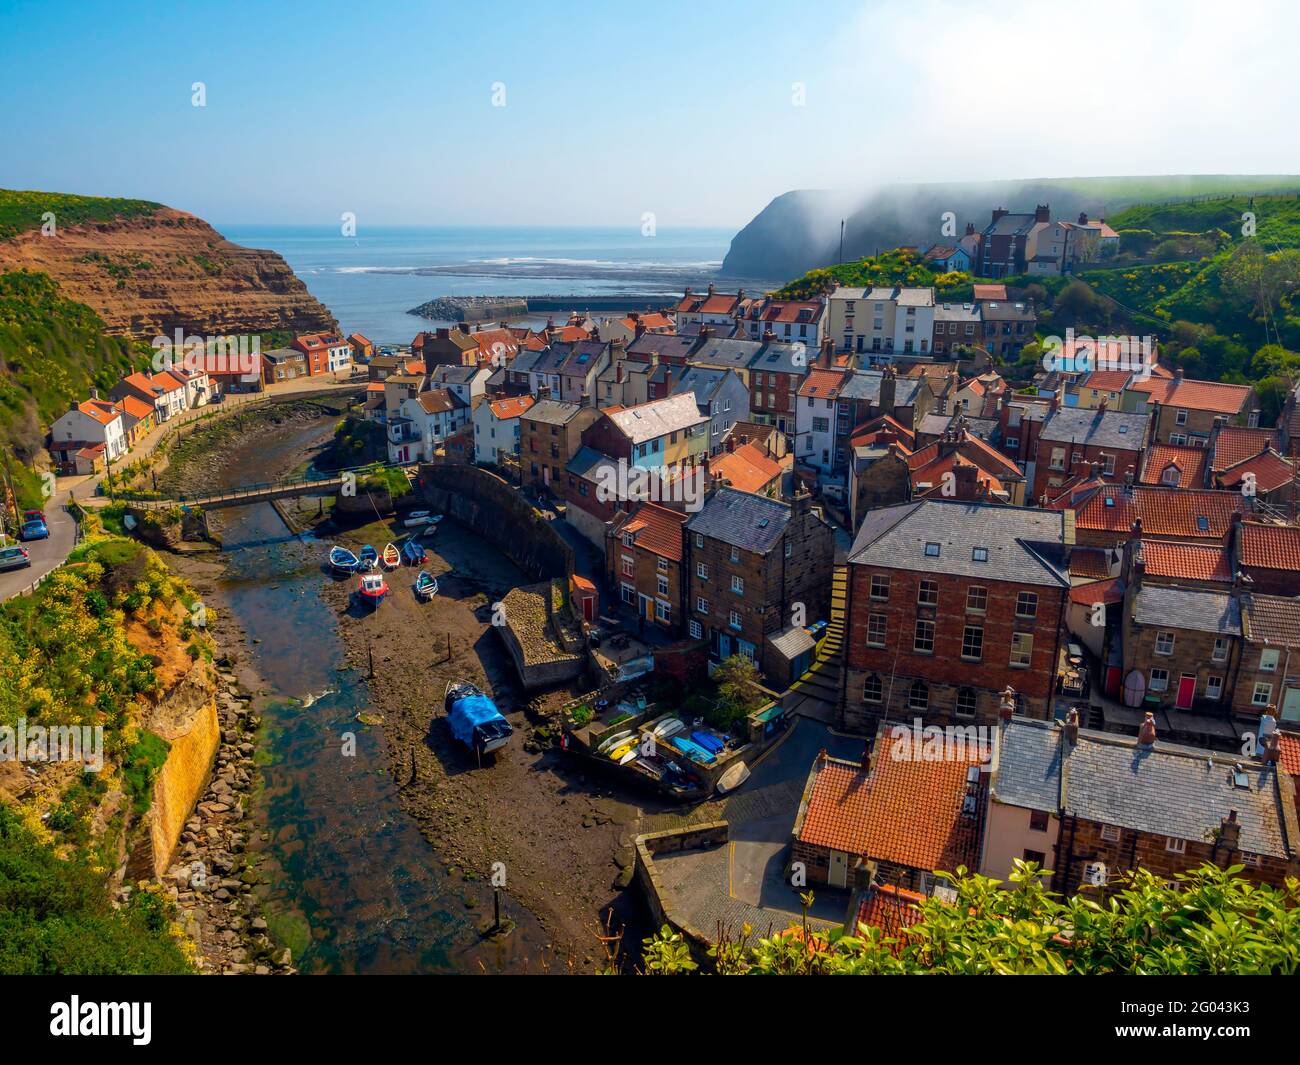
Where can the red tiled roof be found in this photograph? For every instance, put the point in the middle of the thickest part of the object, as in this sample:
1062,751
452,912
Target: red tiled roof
439,400
658,530
136,407
100,411
511,407
866,432
1106,380
1289,755
823,384
1197,514
1269,546
928,479
1198,562
990,292
1189,460
358,338
747,468
708,303
891,909
906,811
1090,562
1233,443
789,311
1271,472
1110,590
1195,395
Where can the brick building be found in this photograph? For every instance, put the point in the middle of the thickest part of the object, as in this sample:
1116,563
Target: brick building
949,604
1268,554
750,560
1105,515
1072,438
1268,672
643,564
550,433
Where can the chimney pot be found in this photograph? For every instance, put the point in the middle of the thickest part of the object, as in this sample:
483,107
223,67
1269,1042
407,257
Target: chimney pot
1147,733
1072,726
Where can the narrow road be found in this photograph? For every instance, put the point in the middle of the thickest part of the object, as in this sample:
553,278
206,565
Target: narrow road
46,554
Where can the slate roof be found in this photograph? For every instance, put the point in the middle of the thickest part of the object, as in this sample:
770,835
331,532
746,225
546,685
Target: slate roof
553,412
862,385
1024,546
1188,608
704,382
720,351
750,522
779,356
659,417
1170,790
1095,428
1028,769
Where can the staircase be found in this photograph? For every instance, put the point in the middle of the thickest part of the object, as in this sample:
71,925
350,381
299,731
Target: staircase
817,693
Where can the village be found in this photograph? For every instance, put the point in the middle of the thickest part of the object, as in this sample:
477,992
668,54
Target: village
819,569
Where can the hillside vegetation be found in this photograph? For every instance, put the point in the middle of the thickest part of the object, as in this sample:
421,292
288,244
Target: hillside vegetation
24,210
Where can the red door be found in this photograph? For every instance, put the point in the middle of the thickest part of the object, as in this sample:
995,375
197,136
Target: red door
1186,691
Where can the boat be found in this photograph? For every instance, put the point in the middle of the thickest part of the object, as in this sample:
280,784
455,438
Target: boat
368,558
669,726
616,740
630,756
417,518
391,558
619,753
426,587
732,777
475,719
342,560
373,589
413,553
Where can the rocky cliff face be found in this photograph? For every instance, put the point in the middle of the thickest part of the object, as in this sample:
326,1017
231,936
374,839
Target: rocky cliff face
151,274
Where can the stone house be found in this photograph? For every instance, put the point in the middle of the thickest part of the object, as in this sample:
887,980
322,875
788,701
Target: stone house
643,560
550,434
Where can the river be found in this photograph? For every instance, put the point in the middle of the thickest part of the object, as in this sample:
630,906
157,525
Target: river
350,883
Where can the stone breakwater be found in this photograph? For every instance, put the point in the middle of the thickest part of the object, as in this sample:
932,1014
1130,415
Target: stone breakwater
213,875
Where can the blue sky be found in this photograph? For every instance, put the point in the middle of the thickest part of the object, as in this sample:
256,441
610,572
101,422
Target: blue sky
691,111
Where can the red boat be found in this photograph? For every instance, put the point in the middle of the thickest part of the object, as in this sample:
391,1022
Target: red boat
373,589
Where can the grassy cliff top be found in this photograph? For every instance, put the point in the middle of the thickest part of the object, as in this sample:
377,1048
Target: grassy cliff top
22,210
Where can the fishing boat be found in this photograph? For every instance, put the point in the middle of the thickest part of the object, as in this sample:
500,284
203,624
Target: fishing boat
368,558
413,553
373,589
475,719
391,558
342,560
426,587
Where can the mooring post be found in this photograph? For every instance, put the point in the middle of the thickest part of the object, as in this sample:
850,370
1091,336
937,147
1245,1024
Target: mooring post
370,656
496,908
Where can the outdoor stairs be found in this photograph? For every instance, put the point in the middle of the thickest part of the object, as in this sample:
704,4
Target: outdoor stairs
817,693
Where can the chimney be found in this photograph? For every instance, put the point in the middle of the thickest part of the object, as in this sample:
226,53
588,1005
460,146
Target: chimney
94,392
1178,373
463,327
1137,528
1042,213
970,229
1072,727
966,477
1007,707
1083,218
768,336
711,289
998,212
1230,829
740,294
706,331
827,357
1147,733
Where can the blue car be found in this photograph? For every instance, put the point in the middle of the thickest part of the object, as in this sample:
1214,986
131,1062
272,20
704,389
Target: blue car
34,530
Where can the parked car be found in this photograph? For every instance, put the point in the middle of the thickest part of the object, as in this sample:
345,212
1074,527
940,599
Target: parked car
33,515
14,558
34,530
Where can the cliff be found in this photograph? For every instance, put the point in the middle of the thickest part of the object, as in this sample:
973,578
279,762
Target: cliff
800,230
150,269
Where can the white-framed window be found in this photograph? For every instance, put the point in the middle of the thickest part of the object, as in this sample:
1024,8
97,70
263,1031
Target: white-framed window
1058,458
735,619
662,585
1249,859
629,565
663,611
628,593
738,584
1164,643
1220,653
877,626
1214,688
1268,660
1022,650
696,632
702,570
1263,695
1175,846
1159,681
1110,833
701,605
629,539
699,539
735,554
873,691
923,637
1180,417
661,564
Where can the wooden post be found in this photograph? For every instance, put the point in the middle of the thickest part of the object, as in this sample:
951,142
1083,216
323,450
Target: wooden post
496,909
448,647
370,655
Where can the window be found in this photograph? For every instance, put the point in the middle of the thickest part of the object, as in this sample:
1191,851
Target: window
879,587
972,643
1037,857
1027,605
928,594
918,697
1214,688
1262,696
663,585
789,549
877,626
738,584
1268,660
977,599
702,570
661,564
931,550
1180,417
734,620
1022,650
627,593
629,539
1164,643
979,554
1175,846
735,554
923,637
696,631
629,566
1220,650
967,702
1058,458
1159,680
1037,820
701,605
821,425
872,689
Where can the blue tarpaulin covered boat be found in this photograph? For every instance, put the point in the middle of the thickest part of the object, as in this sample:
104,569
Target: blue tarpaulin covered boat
475,719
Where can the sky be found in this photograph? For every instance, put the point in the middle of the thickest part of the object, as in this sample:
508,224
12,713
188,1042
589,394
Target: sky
599,113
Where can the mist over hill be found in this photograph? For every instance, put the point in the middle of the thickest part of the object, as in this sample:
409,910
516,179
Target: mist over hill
800,230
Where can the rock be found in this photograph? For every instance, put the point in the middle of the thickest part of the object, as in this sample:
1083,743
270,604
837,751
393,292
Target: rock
257,924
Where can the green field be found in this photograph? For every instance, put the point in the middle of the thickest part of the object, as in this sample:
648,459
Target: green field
22,211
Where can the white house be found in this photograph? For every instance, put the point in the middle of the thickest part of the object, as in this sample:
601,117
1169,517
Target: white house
466,382
198,386
815,418
423,422
93,421
496,428
882,323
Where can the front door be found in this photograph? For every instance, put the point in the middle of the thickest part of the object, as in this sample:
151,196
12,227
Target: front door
1186,691
838,876
724,646
645,604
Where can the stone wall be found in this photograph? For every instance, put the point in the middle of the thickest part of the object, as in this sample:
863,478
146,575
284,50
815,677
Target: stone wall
709,834
500,514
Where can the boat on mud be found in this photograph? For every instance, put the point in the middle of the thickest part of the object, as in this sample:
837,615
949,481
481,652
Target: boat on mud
413,553
391,558
368,558
426,587
342,560
373,589
475,719
418,518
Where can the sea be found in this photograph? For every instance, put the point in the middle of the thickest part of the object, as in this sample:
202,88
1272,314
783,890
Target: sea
372,280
